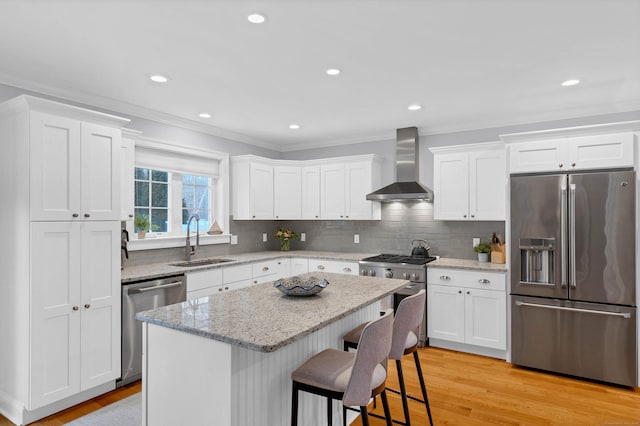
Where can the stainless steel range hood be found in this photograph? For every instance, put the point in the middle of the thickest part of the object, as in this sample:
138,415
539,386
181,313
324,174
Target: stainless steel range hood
406,187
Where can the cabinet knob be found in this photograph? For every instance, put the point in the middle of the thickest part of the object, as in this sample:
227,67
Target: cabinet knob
484,281
347,216
465,216
459,291
468,292
220,289
320,266
265,269
347,269
75,215
561,165
473,215
87,215
445,277
341,216
316,216
255,282
254,216
277,217
226,288
87,306
573,164
75,308
130,215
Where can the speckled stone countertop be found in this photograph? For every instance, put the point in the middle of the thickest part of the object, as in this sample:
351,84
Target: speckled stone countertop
158,270
447,262
263,319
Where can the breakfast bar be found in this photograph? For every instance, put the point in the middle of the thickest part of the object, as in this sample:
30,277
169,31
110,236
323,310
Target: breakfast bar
226,359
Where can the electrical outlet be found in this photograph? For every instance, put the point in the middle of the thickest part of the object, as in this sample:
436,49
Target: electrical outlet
234,239
476,241
303,236
264,237
356,238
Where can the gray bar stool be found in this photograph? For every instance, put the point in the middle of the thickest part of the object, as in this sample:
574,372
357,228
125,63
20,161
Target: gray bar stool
352,377
405,341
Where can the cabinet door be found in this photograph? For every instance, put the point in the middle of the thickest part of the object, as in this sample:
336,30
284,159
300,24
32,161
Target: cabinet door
357,186
54,167
100,303
538,156
100,172
261,187
287,189
485,318
311,192
599,151
451,186
127,168
332,193
445,310
299,266
55,312
487,185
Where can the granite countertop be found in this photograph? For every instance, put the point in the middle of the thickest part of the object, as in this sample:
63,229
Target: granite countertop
158,270
447,262
263,319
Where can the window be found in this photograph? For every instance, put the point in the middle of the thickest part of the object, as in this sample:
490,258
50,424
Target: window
152,197
196,192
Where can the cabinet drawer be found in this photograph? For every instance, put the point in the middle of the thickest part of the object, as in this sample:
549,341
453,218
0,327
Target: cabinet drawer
338,267
203,279
267,267
203,292
467,278
232,274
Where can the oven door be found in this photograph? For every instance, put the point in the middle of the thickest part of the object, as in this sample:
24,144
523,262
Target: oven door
410,290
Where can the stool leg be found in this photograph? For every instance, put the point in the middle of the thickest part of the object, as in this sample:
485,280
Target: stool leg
403,392
422,386
329,411
344,415
385,404
364,415
294,405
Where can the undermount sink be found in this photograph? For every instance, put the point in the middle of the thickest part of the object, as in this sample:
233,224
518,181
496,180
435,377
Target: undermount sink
201,262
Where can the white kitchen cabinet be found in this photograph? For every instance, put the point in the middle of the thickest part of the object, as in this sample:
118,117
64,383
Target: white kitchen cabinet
253,196
467,306
60,304
572,153
470,182
203,283
299,266
311,192
238,276
335,266
287,190
127,170
75,308
75,169
270,270
343,191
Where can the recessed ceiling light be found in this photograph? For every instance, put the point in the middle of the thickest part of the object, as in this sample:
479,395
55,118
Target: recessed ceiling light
256,18
333,71
205,115
572,82
294,126
158,78
414,107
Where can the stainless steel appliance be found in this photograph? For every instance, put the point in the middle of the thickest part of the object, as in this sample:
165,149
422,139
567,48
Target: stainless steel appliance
573,274
412,268
137,297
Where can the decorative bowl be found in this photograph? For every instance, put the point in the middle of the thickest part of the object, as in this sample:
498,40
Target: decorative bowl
297,286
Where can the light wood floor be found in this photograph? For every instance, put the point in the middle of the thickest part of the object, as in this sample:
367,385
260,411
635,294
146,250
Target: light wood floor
472,390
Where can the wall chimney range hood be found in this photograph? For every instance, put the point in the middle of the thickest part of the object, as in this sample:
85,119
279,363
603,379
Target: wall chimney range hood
406,187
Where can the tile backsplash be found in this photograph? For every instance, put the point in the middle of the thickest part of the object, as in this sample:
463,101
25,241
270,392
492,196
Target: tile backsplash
401,223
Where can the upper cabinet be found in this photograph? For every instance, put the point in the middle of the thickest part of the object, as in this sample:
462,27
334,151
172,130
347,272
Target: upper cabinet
470,182
327,189
74,169
564,150
127,169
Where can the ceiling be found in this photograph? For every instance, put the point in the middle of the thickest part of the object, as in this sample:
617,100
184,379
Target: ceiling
469,63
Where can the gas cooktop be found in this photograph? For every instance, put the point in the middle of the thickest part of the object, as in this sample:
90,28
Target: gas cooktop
399,258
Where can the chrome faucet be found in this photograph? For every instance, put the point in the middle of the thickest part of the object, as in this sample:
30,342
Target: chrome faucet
189,250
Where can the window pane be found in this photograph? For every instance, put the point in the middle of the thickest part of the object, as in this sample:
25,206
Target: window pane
158,176
159,195
159,220
202,180
142,174
187,197
142,193
141,212
187,179
202,197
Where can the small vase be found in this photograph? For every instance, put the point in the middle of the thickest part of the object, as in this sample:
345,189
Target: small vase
142,234
284,245
483,257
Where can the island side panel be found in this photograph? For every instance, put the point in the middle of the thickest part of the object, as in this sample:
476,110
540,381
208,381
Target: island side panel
186,379
261,381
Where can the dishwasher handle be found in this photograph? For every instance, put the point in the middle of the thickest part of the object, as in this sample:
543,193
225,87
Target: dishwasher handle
155,287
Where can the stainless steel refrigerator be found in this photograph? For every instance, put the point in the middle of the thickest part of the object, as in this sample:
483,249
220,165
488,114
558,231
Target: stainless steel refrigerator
573,274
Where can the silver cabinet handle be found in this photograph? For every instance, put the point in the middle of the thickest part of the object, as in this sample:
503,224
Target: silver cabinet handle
484,281
320,266
87,306
445,277
265,269
563,308
75,308
347,269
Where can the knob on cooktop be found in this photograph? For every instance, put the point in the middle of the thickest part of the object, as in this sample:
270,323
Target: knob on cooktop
388,274
405,275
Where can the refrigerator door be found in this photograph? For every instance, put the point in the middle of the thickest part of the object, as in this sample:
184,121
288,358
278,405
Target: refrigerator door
581,339
602,237
538,235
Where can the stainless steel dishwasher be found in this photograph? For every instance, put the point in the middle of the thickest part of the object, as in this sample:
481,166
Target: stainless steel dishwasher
137,297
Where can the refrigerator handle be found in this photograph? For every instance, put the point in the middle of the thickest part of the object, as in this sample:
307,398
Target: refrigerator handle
563,234
572,232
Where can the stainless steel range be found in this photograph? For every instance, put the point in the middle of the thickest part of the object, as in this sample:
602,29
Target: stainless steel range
411,268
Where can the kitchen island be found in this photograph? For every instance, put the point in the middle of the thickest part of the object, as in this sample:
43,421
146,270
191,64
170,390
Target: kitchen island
226,359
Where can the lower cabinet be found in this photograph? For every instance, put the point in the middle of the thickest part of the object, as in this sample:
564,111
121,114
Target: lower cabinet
270,270
299,266
467,306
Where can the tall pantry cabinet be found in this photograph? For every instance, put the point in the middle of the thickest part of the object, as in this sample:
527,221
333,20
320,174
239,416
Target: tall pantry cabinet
60,224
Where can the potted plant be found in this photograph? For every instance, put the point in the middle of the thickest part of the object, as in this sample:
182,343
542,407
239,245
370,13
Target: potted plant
284,235
483,250
141,222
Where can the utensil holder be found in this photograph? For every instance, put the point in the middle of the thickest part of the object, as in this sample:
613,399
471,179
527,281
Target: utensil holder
498,253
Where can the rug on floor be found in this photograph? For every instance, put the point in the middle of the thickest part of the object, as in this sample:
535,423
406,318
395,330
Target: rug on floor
126,412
